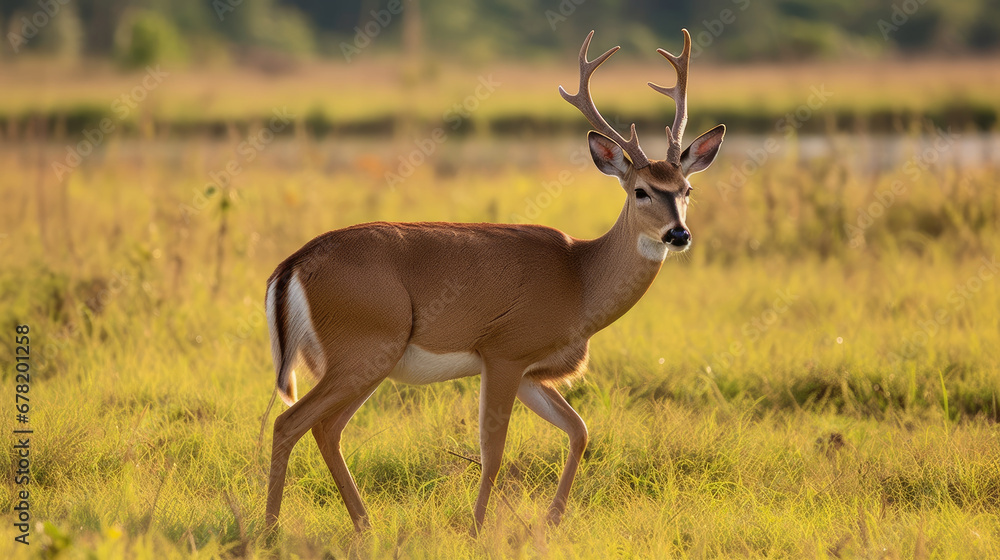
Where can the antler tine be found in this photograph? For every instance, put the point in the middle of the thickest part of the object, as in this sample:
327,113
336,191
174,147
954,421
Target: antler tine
583,101
679,94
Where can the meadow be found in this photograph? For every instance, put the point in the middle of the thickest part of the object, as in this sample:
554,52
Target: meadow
373,95
816,378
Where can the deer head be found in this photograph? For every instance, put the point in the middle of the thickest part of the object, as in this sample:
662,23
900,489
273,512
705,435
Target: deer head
658,190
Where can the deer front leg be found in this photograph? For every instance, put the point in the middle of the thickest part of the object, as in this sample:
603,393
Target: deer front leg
548,403
498,388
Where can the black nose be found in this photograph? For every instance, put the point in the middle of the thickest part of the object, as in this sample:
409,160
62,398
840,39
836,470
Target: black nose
678,237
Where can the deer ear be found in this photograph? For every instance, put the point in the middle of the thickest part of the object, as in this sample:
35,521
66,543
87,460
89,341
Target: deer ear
701,153
608,155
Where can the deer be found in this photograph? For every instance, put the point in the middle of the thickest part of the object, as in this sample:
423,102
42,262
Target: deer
516,304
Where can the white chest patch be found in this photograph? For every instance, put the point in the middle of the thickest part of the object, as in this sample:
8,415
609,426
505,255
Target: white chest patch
420,367
652,249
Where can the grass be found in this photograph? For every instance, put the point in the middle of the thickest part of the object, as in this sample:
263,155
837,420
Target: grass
787,389
374,95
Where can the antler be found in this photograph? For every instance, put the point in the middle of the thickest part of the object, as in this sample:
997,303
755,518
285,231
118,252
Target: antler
679,94
585,103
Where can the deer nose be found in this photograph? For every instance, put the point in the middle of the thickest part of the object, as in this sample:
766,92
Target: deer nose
677,237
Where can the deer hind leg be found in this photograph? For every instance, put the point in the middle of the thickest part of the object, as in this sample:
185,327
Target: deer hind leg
327,433
498,389
345,385
548,403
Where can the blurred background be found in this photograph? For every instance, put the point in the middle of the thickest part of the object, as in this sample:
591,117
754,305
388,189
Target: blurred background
816,377
371,66
136,32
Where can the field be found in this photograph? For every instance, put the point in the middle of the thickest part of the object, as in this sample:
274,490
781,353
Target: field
816,378
374,96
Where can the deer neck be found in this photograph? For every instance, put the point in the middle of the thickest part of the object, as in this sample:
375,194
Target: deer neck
615,272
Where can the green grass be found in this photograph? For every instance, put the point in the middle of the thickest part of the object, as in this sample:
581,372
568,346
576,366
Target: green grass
722,423
374,96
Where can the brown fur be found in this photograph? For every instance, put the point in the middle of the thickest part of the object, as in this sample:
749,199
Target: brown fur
525,298
522,299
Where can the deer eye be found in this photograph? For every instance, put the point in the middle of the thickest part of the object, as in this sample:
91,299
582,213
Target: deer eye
641,194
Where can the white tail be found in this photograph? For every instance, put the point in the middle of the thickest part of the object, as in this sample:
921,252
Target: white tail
516,304
295,339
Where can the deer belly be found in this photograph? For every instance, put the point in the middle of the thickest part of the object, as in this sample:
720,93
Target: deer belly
419,367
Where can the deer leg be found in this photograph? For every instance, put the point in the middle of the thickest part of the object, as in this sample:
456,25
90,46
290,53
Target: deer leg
292,424
348,381
548,403
327,433
498,388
